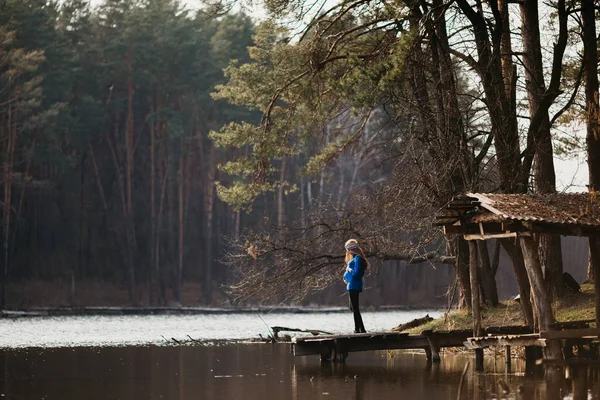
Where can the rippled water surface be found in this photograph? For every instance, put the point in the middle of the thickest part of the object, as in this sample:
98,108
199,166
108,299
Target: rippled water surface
126,358
265,372
156,329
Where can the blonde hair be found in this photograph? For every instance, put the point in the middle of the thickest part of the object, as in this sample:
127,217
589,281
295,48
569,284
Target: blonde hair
358,250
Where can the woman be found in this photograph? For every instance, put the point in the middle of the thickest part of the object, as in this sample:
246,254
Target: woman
356,265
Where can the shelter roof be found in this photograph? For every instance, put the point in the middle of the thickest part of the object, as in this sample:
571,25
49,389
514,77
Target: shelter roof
565,213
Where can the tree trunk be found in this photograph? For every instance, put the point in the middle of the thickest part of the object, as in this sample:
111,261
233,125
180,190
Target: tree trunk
170,241
592,110
461,249
157,240
302,203
128,220
506,49
342,182
513,249
7,177
81,219
502,115
129,143
209,200
152,236
488,275
321,192
280,195
179,283
541,300
458,157
544,175
163,180
129,131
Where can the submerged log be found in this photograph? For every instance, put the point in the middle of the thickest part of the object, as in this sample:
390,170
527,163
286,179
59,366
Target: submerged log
314,332
412,324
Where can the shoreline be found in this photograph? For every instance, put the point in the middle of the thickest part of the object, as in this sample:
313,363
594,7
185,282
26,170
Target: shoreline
170,310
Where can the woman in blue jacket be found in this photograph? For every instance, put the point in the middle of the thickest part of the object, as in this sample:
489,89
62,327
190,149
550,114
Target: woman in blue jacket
356,266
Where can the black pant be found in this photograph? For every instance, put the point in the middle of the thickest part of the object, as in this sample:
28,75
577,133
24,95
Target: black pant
358,322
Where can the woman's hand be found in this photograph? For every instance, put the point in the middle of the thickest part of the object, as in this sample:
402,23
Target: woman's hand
348,269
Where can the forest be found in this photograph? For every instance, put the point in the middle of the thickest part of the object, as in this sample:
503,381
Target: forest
167,150
108,172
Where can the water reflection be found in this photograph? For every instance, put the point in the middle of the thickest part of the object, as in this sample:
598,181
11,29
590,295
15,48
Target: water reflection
271,372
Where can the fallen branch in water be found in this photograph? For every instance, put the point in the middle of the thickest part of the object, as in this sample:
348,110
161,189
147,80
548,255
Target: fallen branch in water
411,324
194,340
277,329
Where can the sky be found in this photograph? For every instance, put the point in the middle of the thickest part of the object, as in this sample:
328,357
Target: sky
572,171
255,10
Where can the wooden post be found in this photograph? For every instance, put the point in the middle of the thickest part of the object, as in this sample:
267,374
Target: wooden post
513,249
507,356
326,354
532,354
475,302
554,382
479,360
568,349
428,353
594,248
579,380
434,350
340,352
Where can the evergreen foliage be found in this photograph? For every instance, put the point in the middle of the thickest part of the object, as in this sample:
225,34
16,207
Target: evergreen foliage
107,165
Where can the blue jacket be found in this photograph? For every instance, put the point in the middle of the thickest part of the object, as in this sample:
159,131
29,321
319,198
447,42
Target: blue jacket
354,277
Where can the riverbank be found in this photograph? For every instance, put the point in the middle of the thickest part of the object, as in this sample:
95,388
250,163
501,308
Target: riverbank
574,306
175,310
41,295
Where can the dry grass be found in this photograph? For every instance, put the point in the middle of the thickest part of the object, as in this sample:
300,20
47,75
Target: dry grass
572,307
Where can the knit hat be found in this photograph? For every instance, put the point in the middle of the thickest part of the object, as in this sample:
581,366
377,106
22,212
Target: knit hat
351,245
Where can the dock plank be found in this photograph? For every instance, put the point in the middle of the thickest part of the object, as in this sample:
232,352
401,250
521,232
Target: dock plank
571,333
505,340
343,344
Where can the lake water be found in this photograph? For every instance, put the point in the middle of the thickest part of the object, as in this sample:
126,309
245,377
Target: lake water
131,358
158,329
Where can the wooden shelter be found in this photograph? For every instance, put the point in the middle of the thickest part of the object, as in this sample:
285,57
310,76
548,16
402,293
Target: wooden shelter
478,216
488,216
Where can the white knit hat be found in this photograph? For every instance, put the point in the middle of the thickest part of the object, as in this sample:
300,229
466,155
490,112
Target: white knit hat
351,245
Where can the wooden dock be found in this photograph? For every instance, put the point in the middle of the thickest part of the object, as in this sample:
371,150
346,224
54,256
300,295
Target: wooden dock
337,347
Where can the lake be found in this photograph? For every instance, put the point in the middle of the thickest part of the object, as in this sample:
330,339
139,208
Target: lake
134,358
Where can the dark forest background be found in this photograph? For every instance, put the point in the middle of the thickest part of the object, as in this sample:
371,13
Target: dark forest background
108,173
109,178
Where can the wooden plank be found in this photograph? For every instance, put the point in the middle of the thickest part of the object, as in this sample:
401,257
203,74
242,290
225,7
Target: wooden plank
454,338
508,330
450,341
452,333
571,333
487,236
358,343
506,340
578,324
482,344
321,338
